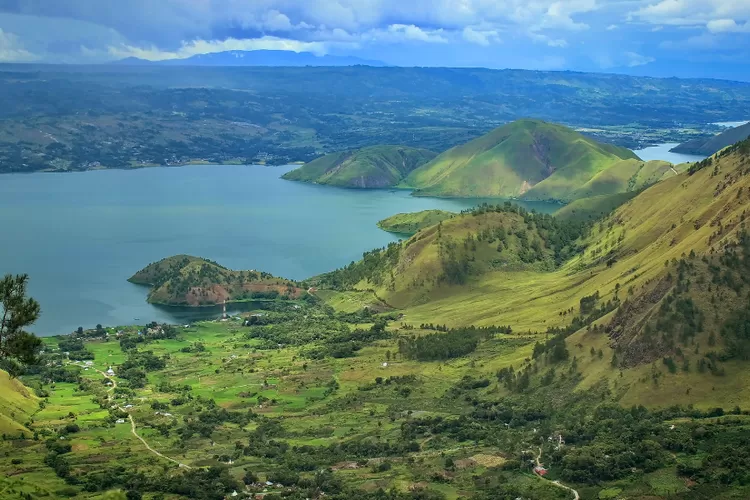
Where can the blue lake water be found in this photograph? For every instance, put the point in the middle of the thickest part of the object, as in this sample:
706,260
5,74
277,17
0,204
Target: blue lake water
81,235
661,152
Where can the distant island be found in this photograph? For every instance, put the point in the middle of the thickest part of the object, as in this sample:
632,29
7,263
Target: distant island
413,222
184,280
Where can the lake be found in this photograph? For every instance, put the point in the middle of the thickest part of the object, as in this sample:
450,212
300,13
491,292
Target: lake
661,152
81,235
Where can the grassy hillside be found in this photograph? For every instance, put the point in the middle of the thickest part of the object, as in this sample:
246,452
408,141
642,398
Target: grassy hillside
626,176
593,208
527,158
709,145
17,405
370,167
410,223
192,281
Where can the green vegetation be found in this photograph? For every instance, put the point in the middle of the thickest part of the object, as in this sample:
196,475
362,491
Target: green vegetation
595,207
528,158
192,281
411,223
17,346
497,354
370,167
708,145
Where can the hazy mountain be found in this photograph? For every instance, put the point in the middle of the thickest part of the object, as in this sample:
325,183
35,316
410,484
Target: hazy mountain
257,58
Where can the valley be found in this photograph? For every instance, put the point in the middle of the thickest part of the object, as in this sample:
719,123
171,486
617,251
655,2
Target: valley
441,366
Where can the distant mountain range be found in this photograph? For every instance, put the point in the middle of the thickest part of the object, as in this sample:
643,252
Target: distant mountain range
256,58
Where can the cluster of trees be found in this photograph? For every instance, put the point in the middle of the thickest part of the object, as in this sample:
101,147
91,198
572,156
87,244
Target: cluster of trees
75,348
453,343
138,365
18,348
370,268
558,235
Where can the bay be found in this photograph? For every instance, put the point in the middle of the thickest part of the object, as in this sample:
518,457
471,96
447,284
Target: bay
80,235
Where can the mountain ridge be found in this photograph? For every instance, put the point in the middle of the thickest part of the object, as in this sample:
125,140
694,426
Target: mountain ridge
707,146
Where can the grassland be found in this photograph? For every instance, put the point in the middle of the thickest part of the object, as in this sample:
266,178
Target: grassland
370,167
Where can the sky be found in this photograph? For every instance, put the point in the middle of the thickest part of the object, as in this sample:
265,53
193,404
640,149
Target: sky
684,38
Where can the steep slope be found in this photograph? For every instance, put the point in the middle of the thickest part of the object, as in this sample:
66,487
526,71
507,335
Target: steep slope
660,286
192,281
594,207
370,167
17,404
710,145
627,175
410,223
528,158
443,259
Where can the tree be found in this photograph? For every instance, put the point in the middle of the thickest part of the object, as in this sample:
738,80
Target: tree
17,347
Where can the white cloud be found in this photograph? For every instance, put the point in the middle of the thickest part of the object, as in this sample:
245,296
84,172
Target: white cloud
550,42
727,26
195,47
480,37
11,49
398,32
612,27
634,59
694,12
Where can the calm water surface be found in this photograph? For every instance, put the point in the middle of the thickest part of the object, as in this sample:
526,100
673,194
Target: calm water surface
81,235
661,152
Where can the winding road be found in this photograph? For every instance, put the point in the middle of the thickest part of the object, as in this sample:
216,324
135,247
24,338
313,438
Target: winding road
556,483
132,424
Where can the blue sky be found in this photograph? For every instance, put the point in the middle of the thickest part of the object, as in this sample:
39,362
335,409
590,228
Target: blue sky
696,38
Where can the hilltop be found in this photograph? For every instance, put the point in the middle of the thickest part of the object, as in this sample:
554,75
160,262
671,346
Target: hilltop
531,159
410,223
706,146
369,167
193,281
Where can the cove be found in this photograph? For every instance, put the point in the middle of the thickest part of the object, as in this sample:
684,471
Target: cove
79,236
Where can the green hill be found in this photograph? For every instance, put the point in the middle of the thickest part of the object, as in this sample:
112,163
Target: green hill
660,286
193,281
594,207
531,159
706,146
370,167
17,404
410,223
